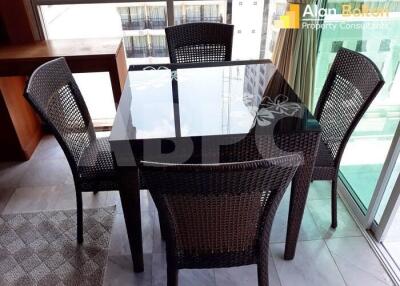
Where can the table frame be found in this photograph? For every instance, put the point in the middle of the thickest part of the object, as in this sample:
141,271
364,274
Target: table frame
304,142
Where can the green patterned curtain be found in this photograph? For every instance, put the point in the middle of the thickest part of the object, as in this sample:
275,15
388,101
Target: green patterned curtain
295,57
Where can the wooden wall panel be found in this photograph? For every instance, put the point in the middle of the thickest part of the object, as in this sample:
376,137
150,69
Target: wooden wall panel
25,121
17,22
20,128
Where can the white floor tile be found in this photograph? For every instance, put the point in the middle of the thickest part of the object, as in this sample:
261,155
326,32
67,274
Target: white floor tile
309,230
312,266
321,212
357,263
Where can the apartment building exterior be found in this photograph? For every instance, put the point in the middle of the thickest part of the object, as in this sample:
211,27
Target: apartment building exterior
143,24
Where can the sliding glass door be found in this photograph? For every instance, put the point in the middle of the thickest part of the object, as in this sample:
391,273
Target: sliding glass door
368,148
370,166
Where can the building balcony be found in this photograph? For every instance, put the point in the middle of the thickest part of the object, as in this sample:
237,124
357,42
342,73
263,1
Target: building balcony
217,19
142,24
155,24
159,52
196,19
137,52
139,24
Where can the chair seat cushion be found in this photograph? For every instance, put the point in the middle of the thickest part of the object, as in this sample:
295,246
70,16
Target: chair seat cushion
96,166
324,168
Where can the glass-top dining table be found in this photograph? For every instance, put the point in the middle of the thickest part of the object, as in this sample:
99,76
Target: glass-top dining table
210,113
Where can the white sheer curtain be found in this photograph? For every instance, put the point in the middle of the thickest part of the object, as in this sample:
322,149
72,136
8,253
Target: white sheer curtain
210,12
178,15
137,13
157,12
193,13
124,14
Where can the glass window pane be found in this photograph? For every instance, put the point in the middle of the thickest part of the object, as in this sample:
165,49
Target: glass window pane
135,22
369,144
389,188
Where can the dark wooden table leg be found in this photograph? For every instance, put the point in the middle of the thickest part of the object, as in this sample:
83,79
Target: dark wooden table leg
130,200
298,196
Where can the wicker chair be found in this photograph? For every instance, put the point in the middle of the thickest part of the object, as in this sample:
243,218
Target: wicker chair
53,93
218,215
199,42
351,85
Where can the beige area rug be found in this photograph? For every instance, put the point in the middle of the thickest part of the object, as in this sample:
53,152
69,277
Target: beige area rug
41,248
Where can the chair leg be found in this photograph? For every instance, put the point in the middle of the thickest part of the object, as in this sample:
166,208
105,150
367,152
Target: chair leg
162,229
79,213
334,203
262,273
172,276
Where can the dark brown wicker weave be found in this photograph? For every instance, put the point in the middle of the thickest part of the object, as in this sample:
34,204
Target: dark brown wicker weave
199,42
352,84
53,93
218,215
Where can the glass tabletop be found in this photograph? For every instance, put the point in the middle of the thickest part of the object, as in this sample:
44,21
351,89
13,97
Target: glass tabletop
167,101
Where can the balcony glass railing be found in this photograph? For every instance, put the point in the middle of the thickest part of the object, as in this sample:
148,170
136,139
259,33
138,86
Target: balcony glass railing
139,24
159,52
138,52
145,23
157,23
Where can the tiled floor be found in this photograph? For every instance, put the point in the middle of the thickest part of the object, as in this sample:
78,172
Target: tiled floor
324,256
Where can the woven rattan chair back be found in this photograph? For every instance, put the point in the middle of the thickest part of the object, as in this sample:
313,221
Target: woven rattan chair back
199,42
218,215
53,92
352,84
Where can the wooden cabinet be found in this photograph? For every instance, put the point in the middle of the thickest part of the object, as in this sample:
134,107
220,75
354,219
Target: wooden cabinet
20,124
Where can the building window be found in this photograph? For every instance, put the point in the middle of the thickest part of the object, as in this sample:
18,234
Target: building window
361,46
193,13
211,14
336,45
157,17
143,17
136,46
385,45
159,46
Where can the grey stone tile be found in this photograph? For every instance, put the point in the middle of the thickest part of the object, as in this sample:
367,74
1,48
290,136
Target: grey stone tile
92,200
5,196
158,243
119,244
394,249
357,262
321,212
319,190
245,275
309,230
119,272
187,277
47,173
147,231
31,199
113,198
11,173
197,277
48,149
146,202
312,266
66,198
